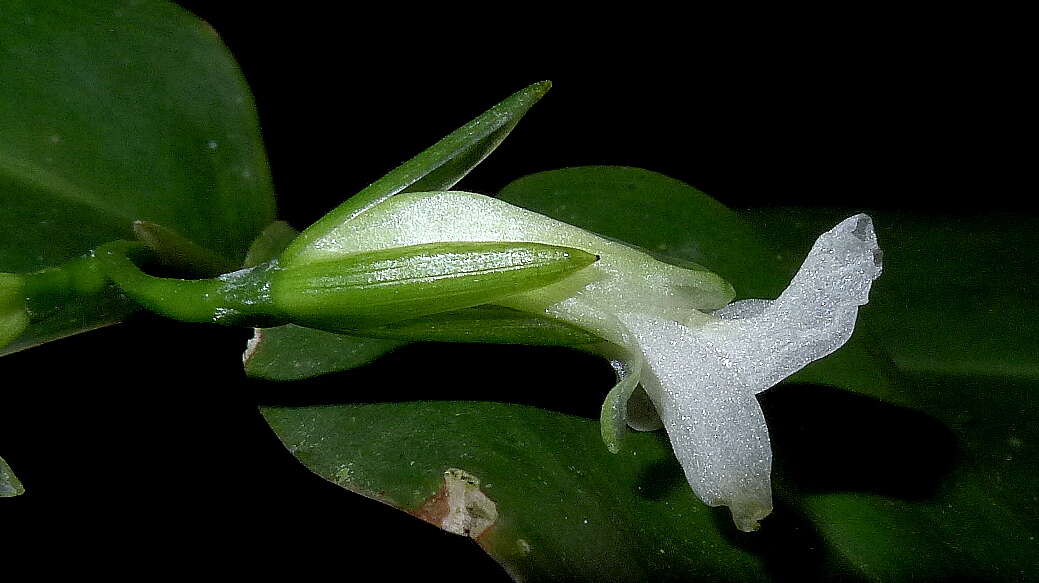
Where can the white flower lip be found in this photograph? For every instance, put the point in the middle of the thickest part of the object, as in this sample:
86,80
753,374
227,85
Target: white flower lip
699,358
703,379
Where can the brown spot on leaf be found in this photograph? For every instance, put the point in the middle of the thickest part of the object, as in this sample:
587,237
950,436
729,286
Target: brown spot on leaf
459,506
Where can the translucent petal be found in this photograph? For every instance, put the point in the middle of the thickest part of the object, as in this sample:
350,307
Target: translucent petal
715,424
702,378
814,316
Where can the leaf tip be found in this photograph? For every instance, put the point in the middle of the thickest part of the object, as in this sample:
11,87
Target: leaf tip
10,486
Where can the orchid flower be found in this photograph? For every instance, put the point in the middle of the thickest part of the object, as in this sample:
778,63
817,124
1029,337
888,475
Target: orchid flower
458,266
673,331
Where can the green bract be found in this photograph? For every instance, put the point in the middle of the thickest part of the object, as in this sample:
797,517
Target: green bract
391,285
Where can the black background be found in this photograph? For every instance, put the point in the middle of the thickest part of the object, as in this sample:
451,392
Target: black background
142,441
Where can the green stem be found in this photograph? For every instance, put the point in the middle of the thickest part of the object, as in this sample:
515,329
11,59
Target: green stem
363,290
51,287
229,299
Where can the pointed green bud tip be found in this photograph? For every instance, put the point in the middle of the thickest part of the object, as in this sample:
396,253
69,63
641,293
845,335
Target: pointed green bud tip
391,285
14,317
176,250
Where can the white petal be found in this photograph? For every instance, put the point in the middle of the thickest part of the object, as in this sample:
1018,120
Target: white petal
715,424
814,316
702,378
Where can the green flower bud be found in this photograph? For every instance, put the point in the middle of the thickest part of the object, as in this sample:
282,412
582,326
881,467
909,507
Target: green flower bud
369,289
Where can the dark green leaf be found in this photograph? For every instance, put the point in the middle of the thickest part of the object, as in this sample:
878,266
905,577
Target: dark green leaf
117,111
979,523
291,353
567,509
294,353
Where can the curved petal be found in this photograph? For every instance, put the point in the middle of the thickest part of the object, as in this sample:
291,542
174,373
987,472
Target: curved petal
814,316
715,424
702,378
614,415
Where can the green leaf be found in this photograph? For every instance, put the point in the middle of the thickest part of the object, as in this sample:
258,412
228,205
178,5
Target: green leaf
982,520
9,483
292,353
114,112
566,509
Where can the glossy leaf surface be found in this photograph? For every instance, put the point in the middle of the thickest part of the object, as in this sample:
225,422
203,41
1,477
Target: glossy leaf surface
567,508
113,112
292,353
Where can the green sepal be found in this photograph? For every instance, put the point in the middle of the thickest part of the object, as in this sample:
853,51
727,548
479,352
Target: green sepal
270,243
179,252
613,422
439,167
378,287
488,324
292,353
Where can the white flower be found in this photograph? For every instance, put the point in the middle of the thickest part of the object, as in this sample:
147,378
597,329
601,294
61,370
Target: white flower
700,359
